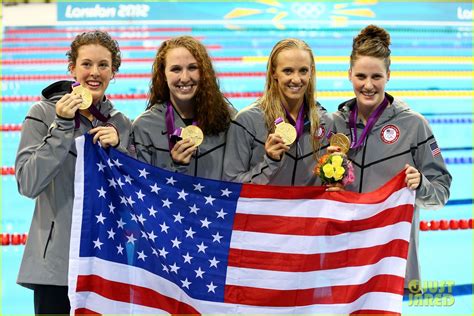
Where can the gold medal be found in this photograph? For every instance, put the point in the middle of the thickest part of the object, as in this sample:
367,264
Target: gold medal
286,131
85,95
342,141
193,132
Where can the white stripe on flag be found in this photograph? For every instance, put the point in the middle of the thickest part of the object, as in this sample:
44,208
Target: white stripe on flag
278,280
122,273
319,244
102,305
76,220
320,207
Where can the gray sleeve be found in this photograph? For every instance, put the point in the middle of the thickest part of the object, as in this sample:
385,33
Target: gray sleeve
42,151
433,192
238,157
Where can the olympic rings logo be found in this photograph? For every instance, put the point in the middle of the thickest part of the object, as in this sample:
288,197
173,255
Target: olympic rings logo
308,10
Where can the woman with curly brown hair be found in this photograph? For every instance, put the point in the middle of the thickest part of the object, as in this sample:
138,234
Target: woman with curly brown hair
183,91
46,159
255,152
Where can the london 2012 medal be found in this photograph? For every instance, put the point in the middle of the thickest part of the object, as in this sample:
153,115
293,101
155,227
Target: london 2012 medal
286,131
85,95
340,140
193,132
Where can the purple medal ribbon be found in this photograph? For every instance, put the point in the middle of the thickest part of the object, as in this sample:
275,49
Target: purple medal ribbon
170,128
355,144
299,124
92,109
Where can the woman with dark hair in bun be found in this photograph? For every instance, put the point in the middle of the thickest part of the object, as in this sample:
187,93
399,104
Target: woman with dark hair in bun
387,136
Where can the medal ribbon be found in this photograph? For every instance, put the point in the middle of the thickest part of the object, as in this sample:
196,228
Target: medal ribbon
170,127
355,144
299,124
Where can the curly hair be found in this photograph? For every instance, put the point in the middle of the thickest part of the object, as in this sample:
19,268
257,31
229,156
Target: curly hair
211,108
98,37
372,41
270,102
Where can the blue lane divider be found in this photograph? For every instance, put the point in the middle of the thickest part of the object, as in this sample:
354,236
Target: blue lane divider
458,160
459,202
450,121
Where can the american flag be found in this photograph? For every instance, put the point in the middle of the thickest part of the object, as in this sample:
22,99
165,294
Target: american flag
149,241
435,151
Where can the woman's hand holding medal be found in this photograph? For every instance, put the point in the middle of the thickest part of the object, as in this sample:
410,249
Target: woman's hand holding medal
190,138
79,99
279,142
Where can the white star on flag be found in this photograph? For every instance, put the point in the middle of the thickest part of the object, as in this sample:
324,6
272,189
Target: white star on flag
128,179
120,249
209,199
182,195
226,192
186,283
193,209
221,214
198,187
101,166
174,268
143,173
141,255
199,273
170,180
152,211
131,239
102,192
97,243
140,195
211,287
100,218
117,163
213,262
112,183
166,203
155,188
187,258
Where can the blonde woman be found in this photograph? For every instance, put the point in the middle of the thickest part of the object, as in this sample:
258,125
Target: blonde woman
254,152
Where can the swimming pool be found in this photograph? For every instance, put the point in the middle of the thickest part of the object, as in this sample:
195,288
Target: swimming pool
431,70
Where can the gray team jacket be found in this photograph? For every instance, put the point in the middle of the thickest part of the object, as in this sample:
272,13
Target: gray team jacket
150,139
44,170
400,136
245,160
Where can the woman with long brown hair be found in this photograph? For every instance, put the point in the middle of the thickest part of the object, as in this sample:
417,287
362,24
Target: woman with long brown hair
184,92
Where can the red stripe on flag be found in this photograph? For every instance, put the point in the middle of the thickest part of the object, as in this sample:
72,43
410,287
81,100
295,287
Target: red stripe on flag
305,263
85,311
343,294
308,192
130,293
304,226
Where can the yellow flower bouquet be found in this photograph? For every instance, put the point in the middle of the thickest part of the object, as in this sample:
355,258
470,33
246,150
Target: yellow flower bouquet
335,168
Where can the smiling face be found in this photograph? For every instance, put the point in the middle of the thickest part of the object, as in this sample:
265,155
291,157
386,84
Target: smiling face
182,76
369,76
93,69
292,72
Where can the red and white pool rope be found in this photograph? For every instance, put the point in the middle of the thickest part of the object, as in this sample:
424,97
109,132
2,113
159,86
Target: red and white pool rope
17,239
